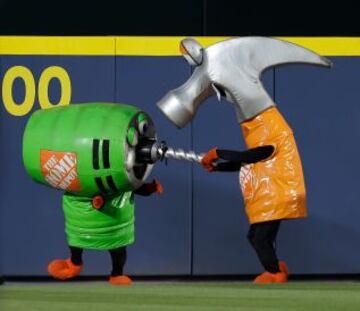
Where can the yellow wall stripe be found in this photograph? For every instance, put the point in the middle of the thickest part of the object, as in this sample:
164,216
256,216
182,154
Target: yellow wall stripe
329,46
152,46
57,45
156,46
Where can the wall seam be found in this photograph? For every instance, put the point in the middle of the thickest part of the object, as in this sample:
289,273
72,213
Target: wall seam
274,84
115,67
192,197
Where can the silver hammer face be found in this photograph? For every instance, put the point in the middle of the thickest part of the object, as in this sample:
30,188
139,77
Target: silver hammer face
231,68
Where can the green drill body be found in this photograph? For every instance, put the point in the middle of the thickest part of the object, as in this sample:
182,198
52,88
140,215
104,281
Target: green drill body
82,149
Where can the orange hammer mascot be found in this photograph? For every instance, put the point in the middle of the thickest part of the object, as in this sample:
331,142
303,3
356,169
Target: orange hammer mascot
271,176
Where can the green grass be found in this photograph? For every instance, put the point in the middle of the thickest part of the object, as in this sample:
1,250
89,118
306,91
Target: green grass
99,296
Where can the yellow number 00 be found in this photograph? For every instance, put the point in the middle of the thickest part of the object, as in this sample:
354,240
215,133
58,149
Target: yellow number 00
21,72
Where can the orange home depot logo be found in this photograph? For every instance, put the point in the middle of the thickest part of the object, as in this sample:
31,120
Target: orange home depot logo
60,169
246,181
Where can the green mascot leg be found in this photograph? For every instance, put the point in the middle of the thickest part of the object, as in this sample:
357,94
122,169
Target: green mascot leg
107,227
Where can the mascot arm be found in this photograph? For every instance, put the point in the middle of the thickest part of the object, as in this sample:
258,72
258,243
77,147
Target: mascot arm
231,161
150,188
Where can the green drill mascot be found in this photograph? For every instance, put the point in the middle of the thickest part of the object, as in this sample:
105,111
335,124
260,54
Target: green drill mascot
89,151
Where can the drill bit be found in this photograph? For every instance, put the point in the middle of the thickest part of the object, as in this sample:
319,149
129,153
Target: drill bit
152,151
180,154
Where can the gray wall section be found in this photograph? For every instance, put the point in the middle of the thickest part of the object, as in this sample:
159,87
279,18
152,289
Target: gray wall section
322,106
32,224
163,223
220,224
198,225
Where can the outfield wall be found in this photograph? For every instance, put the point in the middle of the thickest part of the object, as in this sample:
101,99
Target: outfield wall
198,225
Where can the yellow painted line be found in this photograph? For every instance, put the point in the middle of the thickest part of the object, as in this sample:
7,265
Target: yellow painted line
329,46
57,45
157,46
152,46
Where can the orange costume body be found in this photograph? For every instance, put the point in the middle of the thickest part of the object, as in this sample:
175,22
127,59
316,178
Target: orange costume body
273,189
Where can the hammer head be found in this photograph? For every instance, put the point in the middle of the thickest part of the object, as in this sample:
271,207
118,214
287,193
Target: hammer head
231,68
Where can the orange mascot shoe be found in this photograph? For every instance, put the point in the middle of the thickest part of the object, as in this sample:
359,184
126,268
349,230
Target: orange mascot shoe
269,278
63,269
283,267
120,280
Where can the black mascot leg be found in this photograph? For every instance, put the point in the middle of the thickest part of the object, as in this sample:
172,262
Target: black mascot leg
118,258
76,255
262,237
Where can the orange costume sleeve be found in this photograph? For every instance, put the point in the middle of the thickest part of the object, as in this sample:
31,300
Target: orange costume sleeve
273,189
